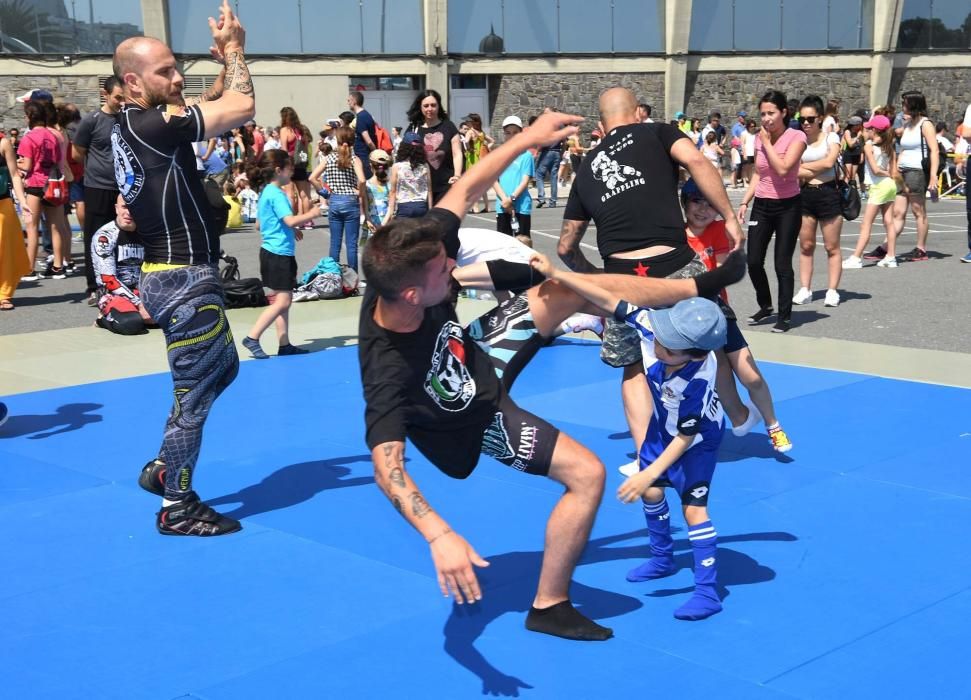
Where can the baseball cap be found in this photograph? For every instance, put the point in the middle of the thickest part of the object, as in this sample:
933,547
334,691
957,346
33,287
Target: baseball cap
379,156
878,122
512,120
741,113
679,115
411,137
36,95
691,323
855,121
690,189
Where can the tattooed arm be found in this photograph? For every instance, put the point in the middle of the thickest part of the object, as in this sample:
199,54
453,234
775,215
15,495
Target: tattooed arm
237,103
452,555
569,246
214,92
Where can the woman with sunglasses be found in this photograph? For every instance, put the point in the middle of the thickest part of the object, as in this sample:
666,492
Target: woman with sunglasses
821,205
777,207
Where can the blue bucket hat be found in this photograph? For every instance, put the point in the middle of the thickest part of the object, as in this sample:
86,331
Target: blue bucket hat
411,137
691,323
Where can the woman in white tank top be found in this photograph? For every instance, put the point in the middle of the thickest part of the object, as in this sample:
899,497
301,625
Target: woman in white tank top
821,205
917,141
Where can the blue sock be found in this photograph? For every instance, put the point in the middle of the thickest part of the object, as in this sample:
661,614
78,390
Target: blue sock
661,563
705,601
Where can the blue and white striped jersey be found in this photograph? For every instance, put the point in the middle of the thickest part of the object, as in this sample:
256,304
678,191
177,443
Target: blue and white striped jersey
685,401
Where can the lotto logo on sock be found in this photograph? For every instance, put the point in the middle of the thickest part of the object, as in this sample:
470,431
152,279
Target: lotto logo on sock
664,517
710,561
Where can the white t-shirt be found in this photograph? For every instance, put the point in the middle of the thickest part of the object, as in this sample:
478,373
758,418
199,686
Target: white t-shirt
910,150
748,144
482,244
818,151
830,126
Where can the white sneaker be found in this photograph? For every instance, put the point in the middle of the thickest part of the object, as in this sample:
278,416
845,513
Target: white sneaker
832,298
754,418
887,262
802,296
853,263
629,469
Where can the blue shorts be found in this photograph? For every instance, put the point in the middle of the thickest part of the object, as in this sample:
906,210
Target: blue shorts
76,192
690,476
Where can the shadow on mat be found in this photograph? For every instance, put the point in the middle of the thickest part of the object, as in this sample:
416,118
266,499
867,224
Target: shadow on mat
508,585
338,341
293,484
734,568
734,449
69,417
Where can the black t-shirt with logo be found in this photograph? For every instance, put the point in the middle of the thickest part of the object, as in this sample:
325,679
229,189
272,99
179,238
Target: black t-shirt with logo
155,168
628,185
435,385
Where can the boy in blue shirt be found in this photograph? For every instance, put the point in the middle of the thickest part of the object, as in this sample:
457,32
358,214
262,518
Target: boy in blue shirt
685,431
512,190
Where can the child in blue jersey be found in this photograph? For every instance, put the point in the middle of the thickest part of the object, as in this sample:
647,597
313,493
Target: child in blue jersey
278,262
685,431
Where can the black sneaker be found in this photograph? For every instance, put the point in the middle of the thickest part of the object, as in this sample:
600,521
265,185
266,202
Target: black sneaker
152,478
193,517
291,350
781,327
916,255
540,204
760,316
878,253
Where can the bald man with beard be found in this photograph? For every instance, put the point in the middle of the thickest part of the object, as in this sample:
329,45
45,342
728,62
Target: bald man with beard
155,169
628,185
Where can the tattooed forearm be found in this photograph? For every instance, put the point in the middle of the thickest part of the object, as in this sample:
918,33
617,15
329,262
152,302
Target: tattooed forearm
237,74
214,92
397,477
419,506
398,505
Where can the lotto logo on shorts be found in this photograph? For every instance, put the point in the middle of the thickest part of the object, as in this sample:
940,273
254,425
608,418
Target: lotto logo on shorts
699,492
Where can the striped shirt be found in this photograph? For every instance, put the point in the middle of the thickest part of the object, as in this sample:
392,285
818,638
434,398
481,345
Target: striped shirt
155,168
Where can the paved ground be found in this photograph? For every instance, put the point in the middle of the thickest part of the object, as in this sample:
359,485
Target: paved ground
918,305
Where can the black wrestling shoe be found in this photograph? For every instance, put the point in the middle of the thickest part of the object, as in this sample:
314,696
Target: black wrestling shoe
152,478
193,517
760,316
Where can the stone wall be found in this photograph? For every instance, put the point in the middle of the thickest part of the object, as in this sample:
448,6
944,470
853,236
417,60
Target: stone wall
947,91
729,92
82,91
527,95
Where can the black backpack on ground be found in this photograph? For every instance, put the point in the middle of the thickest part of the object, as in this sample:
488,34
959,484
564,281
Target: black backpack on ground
241,293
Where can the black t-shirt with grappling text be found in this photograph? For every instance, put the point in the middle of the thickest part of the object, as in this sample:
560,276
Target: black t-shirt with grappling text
628,185
435,386
155,168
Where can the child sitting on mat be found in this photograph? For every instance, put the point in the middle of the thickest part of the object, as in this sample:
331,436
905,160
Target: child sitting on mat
684,433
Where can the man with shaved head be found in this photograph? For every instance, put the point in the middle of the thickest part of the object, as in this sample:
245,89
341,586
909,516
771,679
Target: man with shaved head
155,168
628,185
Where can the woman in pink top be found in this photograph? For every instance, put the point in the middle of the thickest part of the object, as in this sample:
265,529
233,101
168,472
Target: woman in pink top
777,207
38,152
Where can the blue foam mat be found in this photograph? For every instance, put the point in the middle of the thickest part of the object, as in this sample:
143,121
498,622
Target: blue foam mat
834,560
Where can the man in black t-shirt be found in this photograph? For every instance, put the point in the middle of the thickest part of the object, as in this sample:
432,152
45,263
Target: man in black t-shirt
92,146
427,378
365,136
155,169
628,185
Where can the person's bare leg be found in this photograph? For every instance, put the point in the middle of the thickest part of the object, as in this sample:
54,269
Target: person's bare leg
33,230
569,525
735,409
283,326
638,404
918,205
744,367
832,230
807,246
890,224
866,226
268,316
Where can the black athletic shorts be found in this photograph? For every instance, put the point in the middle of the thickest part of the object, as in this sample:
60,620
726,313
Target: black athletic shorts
278,272
519,439
822,203
734,340
300,173
504,224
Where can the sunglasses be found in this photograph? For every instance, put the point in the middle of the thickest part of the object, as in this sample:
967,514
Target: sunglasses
808,120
